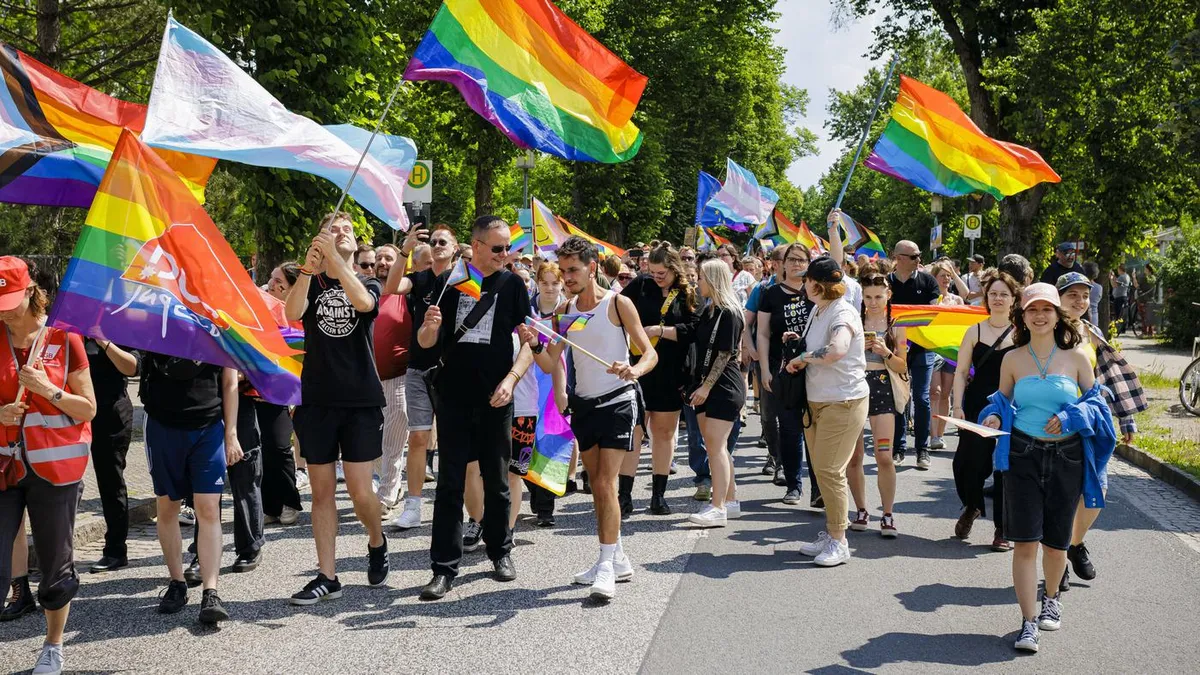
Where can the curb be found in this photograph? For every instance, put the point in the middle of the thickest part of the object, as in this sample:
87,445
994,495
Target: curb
1161,470
92,529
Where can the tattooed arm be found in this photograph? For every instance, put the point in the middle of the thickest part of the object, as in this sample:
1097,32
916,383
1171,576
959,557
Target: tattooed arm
838,347
720,360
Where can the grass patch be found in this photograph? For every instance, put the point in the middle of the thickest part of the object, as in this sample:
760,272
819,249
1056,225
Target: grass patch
1179,453
1152,380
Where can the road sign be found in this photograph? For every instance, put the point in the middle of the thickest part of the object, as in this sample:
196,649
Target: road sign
420,182
973,226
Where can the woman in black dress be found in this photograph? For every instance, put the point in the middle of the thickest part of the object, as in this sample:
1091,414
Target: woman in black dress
987,343
666,304
718,390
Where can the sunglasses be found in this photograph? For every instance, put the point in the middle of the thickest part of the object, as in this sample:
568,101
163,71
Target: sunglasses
624,277
496,249
910,256
439,242
366,266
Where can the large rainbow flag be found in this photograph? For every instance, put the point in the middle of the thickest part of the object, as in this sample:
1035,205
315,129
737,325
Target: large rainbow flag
937,328
152,271
57,136
537,76
930,143
553,441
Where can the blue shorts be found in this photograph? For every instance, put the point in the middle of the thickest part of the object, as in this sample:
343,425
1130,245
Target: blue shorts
184,462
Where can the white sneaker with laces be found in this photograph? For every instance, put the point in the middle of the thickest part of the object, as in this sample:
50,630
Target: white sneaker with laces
411,516
1027,641
50,661
936,443
814,548
187,515
605,585
622,568
288,516
1051,616
710,516
733,510
837,552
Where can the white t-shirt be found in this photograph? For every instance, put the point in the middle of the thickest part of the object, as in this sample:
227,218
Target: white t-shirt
844,380
853,292
525,394
742,284
973,285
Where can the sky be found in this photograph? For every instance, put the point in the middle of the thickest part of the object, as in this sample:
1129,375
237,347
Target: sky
820,57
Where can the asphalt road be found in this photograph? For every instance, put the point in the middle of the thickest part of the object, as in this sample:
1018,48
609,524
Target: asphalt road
739,599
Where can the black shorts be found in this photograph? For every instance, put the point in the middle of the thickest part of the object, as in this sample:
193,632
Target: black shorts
609,425
524,433
326,433
722,405
1041,489
881,400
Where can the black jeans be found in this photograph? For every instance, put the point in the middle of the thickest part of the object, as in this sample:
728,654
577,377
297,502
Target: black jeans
541,500
477,432
972,466
245,483
112,431
278,463
51,510
791,446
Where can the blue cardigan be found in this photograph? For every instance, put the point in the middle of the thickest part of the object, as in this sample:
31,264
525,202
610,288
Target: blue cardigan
1089,417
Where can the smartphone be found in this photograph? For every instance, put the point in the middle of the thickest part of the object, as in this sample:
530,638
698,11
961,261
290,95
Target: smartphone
869,335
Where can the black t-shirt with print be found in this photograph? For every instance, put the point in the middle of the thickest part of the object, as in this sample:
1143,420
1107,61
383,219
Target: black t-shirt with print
789,313
339,355
425,289
728,327
483,355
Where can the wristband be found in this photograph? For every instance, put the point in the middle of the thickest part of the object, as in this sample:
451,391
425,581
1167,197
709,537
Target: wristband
306,272
516,377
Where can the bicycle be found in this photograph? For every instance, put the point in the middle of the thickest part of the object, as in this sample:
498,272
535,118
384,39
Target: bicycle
1189,382
1134,315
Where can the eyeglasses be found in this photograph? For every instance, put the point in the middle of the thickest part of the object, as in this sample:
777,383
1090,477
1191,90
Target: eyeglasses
796,261
496,249
624,277
439,242
366,266
725,255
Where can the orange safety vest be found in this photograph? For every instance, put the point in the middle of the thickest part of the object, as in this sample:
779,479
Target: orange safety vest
55,444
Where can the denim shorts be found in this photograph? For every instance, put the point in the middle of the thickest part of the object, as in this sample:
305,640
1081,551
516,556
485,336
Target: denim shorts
418,400
1042,488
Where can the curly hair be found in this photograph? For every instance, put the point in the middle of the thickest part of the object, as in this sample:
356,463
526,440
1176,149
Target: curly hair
668,257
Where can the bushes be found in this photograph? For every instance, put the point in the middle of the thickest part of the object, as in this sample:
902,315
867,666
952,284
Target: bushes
1180,277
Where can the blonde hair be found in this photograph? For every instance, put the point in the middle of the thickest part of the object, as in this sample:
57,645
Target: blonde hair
716,275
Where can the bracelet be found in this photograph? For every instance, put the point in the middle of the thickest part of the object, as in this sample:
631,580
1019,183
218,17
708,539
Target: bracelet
305,271
516,377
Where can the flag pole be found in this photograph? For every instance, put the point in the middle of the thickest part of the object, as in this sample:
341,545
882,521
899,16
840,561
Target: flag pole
867,129
557,337
379,125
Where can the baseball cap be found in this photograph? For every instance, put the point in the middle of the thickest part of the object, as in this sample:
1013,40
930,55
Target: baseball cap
1039,291
14,279
979,259
1072,279
824,269
1066,246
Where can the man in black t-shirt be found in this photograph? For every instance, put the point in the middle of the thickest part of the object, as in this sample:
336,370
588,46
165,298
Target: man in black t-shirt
473,387
1064,262
911,286
341,409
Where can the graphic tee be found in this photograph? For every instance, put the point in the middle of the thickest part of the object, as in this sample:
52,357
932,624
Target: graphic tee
339,358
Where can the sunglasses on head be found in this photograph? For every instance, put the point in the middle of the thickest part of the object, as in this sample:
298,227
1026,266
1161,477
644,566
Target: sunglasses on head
439,242
496,249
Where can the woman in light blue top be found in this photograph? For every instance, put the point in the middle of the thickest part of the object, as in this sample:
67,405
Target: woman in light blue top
1042,377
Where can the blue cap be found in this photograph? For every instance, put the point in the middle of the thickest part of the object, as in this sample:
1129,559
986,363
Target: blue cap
1072,279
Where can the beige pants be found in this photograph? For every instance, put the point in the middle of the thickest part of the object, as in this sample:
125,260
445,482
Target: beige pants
835,429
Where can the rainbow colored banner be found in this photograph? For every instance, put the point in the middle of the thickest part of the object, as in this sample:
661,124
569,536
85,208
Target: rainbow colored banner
606,249
467,279
57,136
854,233
788,232
528,69
152,271
553,441
519,239
708,240
551,230
931,144
937,328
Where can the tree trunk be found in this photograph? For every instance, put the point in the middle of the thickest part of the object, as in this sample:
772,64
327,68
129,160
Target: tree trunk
485,183
49,30
1016,220
970,59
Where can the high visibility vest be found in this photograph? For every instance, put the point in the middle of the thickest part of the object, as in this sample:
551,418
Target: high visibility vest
55,444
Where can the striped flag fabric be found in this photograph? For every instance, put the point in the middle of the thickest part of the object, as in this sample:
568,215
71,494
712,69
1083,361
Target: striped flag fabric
741,199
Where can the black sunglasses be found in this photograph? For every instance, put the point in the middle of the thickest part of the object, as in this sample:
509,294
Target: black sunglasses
366,266
496,249
439,242
910,256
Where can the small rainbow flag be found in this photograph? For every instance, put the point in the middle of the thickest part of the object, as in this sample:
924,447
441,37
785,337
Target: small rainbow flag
789,233
520,239
570,323
606,249
467,279
931,144
536,75
152,271
864,241
553,441
57,136
937,328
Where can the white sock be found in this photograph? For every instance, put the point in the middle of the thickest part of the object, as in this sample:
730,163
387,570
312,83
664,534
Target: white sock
607,552
415,498
620,547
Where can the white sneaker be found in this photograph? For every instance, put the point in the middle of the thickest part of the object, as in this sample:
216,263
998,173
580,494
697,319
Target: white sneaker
301,479
936,443
187,515
622,568
1027,641
288,516
410,517
1051,616
605,585
814,548
710,516
836,553
341,475
733,510
50,661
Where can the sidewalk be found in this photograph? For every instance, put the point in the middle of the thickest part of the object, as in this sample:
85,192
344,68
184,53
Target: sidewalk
1148,355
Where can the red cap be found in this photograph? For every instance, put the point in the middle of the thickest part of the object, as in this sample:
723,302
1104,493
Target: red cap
14,279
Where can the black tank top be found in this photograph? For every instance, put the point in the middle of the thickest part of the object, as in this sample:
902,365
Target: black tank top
986,379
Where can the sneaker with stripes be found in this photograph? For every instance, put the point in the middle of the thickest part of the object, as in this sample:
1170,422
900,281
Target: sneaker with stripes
321,588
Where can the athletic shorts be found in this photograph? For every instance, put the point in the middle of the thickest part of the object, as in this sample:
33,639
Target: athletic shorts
524,431
419,400
1041,489
609,425
881,400
327,434
184,462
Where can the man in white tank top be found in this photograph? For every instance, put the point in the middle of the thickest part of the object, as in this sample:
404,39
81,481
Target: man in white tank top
604,405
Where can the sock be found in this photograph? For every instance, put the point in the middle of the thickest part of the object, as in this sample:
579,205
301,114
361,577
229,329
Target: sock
607,551
660,484
620,550
625,485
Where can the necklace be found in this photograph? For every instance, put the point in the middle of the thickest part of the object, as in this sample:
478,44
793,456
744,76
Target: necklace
1003,325
1038,362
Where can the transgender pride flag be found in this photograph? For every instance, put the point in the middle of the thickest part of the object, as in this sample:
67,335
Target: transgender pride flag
202,103
741,199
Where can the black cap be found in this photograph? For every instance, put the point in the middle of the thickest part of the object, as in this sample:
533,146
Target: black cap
979,259
824,270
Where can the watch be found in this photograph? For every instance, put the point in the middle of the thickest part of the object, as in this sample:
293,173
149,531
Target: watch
57,396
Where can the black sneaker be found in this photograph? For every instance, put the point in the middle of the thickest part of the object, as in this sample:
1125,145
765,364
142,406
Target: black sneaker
109,563
247,563
174,598
192,574
897,457
504,569
923,460
769,467
321,588
779,479
626,503
1065,583
211,610
472,536
546,520
1081,562
816,502
377,564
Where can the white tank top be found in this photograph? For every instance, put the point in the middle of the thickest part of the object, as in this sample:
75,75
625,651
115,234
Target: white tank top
525,394
604,339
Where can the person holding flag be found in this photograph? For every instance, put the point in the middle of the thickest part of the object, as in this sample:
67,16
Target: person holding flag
605,404
473,385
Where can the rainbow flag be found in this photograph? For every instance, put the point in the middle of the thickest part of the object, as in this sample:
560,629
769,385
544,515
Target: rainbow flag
57,136
606,249
788,232
937,328
547,232
708,240
864,241
930,143
553,441
569,323
519,239
467,279
528,69
152,271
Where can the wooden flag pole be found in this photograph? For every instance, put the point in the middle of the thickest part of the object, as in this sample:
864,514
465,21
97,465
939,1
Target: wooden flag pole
379,125
559,338
867,129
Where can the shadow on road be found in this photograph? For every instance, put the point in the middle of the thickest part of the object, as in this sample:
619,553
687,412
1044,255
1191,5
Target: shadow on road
952,649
